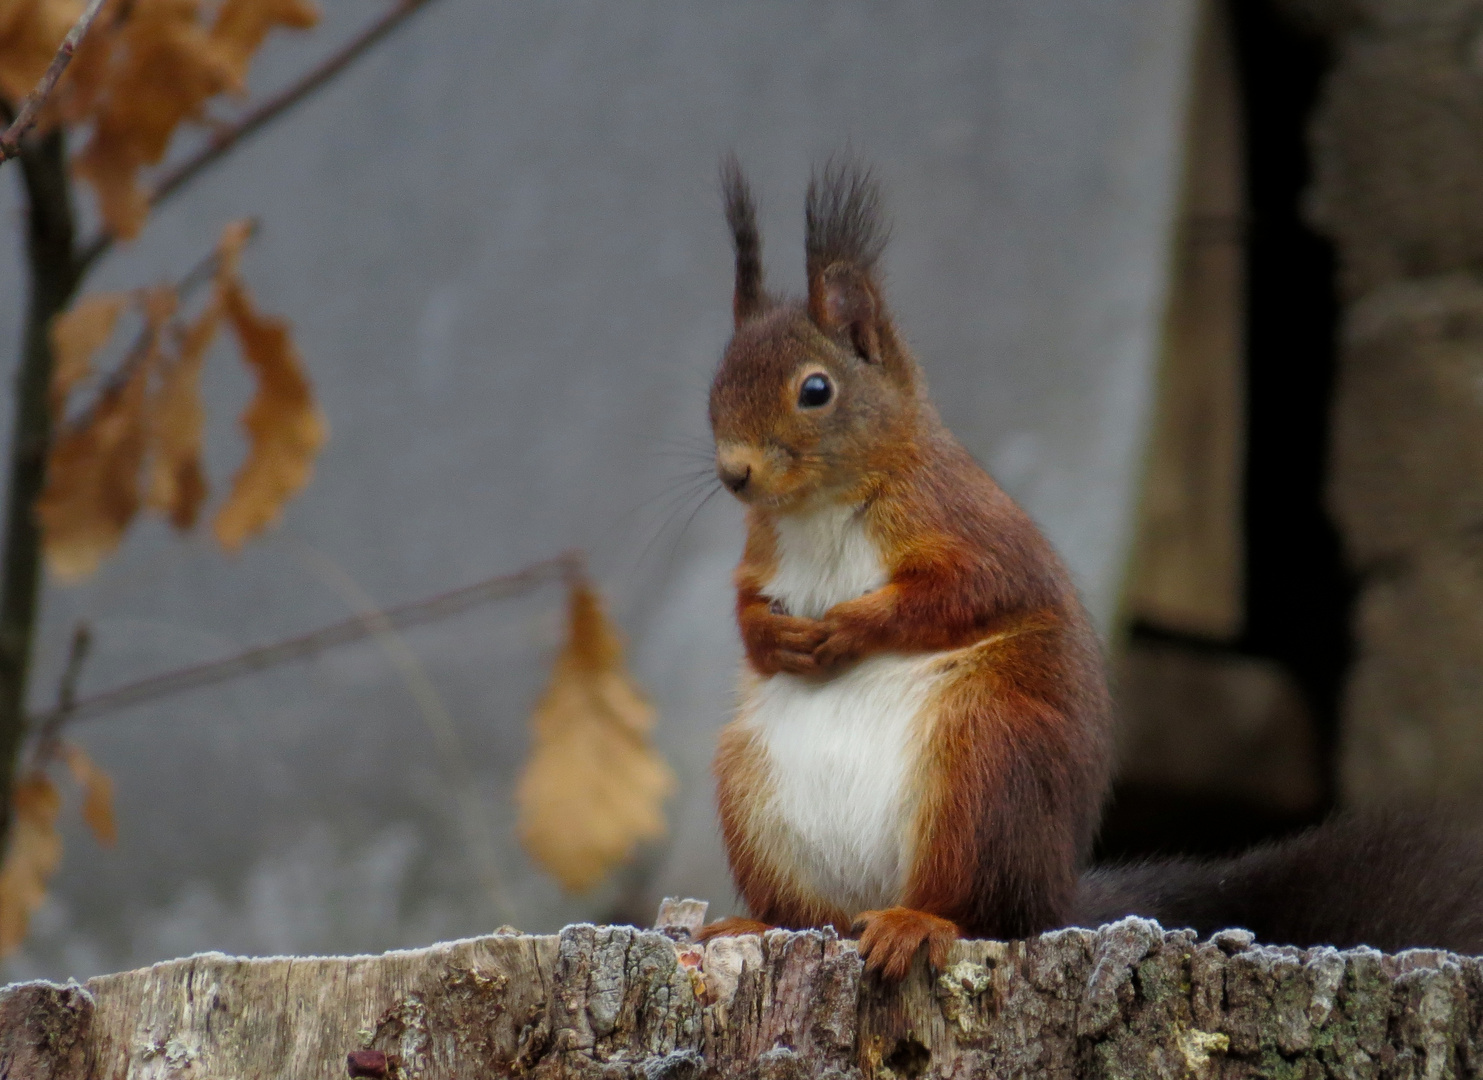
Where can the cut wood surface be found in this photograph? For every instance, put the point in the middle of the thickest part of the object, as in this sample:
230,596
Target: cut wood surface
1128,1000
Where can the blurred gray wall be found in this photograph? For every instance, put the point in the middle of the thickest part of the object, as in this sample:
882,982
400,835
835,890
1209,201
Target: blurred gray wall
499,241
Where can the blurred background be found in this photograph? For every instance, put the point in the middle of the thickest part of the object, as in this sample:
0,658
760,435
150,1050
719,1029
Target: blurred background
1195,279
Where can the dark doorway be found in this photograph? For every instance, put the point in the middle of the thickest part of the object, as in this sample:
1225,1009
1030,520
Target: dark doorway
1296,594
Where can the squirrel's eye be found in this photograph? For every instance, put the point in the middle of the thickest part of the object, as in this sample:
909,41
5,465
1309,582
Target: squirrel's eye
815,391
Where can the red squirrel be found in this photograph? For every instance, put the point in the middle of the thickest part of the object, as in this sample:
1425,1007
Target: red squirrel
923,741
922,746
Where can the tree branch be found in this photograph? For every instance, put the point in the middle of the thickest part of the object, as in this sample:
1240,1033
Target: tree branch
193,279
10,141
49,740
303,646
54,275
226,139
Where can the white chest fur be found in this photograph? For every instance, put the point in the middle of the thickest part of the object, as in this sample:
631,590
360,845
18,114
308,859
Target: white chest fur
841,805
824,558
842,753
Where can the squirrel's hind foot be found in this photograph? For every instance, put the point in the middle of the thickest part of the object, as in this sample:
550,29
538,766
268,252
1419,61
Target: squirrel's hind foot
890,940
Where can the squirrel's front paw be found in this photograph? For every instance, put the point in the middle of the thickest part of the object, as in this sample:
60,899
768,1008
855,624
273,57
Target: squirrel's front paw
783,643
891,939
836,647
834,650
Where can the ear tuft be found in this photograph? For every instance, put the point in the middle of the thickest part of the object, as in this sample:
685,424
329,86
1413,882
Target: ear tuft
844,238
748,299
842,217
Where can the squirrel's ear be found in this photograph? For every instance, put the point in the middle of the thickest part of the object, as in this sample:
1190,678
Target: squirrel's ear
843,239
748,299
842,302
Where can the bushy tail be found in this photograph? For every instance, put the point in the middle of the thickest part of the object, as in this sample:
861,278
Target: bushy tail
1393,880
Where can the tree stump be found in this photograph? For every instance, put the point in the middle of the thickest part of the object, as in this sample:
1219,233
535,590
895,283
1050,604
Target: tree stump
611,1002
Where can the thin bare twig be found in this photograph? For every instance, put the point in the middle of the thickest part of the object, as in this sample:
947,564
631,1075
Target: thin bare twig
303,646
25,119
82,642
228,136
205,268
453,759
49,740
192,280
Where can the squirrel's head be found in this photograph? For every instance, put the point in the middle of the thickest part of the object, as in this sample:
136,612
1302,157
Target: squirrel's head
814,399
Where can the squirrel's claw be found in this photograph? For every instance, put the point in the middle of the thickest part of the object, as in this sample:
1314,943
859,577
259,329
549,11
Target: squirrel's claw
890,940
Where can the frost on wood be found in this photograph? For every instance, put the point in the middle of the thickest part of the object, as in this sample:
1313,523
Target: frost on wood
1129,1000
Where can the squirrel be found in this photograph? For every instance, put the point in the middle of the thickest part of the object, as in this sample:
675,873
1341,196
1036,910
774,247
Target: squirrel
922,746
923,742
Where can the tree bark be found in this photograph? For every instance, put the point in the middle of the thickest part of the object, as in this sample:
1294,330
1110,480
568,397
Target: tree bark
611,1002
54,275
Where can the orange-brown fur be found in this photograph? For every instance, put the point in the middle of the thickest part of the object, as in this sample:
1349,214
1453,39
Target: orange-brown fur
1016,762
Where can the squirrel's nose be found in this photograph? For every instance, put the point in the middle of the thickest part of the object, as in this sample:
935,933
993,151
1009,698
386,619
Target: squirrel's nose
734,475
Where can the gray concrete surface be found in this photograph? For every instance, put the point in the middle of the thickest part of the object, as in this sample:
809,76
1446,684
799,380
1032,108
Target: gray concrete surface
500,244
